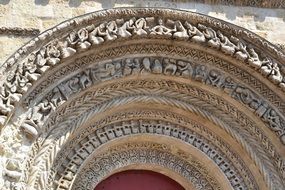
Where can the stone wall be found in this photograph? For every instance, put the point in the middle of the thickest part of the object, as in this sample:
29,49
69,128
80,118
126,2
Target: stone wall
20,20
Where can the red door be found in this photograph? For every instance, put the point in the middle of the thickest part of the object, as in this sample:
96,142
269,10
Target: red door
138,180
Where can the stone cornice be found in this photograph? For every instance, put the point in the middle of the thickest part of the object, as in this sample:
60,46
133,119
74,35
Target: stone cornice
277,4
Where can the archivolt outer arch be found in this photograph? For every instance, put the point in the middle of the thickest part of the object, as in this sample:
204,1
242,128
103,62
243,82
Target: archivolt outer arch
144,73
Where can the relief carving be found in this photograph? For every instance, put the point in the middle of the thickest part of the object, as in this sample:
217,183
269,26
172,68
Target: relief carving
13,170
155,65
211,36
161,29
195,34
39,62
141,28
105,135
226,45
22,73
156,127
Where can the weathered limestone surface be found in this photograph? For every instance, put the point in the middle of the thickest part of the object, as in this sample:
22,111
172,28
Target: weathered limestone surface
43,14
137,87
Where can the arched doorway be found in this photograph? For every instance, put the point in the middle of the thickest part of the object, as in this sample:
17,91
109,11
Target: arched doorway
174,92
138,180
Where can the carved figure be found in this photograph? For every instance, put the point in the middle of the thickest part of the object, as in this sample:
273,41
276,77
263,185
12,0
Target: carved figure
226,45
111,31
146,65
17,81
84,79
65,88
170,67
5,102
195,34
229,85
96,36
254,60
275,75
123,31
273,119
72,39
131,66
39,60
267,67
160,29
140,27
29,71
181,31
214,78
53,54
247,97
40,111
211,35
57,98
282,84
185,68
67,51
73,84
241,53
110,70
157,67
82,42
201,73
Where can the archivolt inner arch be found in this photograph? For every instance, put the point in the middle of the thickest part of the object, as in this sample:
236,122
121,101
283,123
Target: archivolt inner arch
75,98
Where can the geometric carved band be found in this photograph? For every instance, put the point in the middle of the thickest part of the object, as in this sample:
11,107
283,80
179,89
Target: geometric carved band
109,133
104,165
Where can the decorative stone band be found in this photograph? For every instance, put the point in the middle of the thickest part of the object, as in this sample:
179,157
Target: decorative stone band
251,3
146,66
101,106
116,98
16,31
187,27
104,165
136,127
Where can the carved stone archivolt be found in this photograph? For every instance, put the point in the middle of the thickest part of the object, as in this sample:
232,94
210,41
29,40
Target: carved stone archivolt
119,74
158,128
144,153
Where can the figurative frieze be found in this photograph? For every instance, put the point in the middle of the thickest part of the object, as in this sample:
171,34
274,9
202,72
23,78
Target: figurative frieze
20,79
157,65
